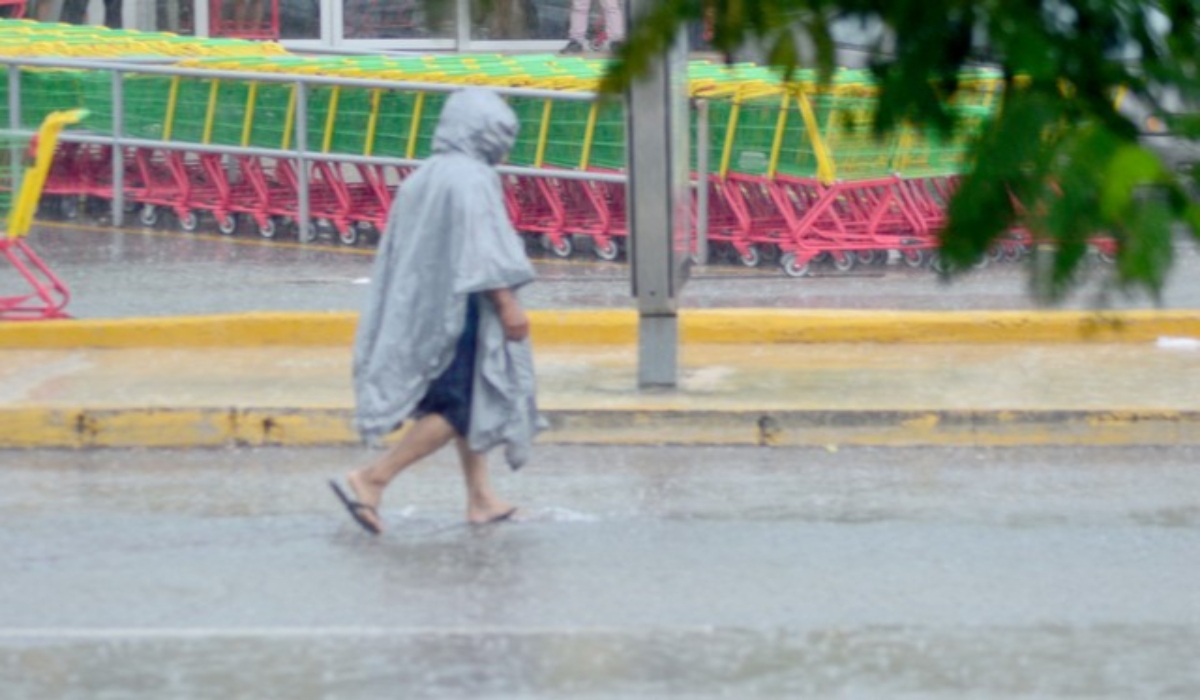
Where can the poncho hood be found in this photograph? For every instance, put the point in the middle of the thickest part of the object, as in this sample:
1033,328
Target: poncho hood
476,123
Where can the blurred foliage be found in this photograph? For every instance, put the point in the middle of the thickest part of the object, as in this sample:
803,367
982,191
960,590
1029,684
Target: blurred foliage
1059,158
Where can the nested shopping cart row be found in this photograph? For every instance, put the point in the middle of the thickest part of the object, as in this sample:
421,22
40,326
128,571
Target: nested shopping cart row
795,169
800,173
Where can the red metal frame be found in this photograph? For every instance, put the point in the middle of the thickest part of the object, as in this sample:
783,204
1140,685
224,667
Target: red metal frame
49,295
537,208
13,9
850,217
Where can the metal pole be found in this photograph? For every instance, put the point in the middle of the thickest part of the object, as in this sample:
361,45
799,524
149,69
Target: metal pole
702,174
304,232
657,197
201,20
462,24
118,152
325,29
15,157
14,97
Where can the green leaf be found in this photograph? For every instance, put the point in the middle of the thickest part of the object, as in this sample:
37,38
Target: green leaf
1191,217
1130,167
1185,125
1147,254
784,54
818,29
1010,161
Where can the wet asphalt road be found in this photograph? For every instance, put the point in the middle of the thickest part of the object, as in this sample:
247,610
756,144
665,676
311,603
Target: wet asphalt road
636,572
665,572
156,272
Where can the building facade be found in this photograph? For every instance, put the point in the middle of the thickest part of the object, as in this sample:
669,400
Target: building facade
464,25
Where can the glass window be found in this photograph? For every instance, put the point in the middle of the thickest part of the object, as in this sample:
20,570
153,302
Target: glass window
74,12
299,19
398,19
244,19
515,20
175,16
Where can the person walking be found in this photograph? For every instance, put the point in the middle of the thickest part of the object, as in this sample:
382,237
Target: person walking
444,340
614,26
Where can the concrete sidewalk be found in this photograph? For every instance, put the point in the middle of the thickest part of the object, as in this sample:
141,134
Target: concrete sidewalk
747,377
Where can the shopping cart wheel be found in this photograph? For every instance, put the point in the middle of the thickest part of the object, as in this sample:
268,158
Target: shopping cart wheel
563,247
750,257
227,224
1097,254
843,262
916,258
348,236
268,229
369,233
148,216
314,230
607,250
189,222
868,257
69,208
792,266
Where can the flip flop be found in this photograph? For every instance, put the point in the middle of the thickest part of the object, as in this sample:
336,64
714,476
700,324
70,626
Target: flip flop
499,518
356,508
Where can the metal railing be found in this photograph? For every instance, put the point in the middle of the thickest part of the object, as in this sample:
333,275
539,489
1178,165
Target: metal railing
302,154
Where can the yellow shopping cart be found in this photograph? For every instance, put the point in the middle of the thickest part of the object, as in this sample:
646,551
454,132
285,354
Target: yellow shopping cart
24,165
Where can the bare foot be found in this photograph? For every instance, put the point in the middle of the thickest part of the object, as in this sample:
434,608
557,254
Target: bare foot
368,494
488,513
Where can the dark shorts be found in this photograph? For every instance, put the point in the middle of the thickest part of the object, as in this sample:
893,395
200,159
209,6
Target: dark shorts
450,394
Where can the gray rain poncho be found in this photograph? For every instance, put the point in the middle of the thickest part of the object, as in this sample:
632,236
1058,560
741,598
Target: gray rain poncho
448,236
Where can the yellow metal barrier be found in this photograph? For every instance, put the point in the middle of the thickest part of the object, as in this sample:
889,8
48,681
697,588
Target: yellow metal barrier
20,218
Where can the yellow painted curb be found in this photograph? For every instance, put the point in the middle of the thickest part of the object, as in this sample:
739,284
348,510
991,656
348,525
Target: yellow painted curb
619,327
722,326
28,428
84,428
234,330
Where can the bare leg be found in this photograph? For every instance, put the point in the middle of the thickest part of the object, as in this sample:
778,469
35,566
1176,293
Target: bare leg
428,435
482,503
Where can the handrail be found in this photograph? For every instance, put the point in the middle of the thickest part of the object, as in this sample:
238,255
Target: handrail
89,138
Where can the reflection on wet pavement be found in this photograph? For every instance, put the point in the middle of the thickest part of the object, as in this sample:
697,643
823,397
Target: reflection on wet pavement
636,572
156,272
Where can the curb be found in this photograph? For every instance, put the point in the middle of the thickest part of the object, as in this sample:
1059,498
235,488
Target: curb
619,327
82,428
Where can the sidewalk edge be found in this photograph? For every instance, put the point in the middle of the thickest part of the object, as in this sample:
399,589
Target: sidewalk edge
77,428
619,327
